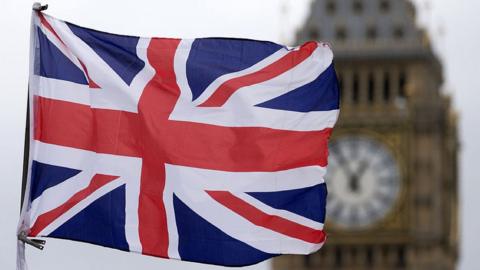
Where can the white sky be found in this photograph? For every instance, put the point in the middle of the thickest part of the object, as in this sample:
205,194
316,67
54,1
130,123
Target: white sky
452,24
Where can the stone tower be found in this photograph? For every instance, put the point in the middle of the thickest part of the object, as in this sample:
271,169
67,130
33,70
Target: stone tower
393,197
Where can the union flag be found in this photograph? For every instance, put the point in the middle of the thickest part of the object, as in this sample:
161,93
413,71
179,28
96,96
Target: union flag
208,150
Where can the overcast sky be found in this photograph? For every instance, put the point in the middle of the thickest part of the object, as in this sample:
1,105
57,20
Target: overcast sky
453,26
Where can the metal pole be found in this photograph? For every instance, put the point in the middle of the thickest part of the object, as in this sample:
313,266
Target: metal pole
26,147
22,236
26,151
38,7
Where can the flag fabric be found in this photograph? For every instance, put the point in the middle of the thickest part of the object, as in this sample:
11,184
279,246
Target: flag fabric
208,150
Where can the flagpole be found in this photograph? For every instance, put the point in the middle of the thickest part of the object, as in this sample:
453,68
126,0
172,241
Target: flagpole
26,146
26,151
22,235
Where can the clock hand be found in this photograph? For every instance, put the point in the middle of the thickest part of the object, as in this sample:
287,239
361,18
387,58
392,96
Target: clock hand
344,164
362,168
352,177
353,183
355,178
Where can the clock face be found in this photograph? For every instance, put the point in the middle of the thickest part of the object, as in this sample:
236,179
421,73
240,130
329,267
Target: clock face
363,182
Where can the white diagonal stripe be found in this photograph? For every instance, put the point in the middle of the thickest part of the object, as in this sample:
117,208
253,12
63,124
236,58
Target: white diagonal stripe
301,74
239,228
90,163
279,212
246,115
115,92
60,46
190,185
80,206
258,66
54,196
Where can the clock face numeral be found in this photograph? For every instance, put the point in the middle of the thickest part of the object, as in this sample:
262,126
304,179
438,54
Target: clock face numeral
363,182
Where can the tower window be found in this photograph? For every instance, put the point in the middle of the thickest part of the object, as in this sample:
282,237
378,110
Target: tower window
369,256
386,87
357,6
353,253
356,88
338,257
307,262
385,6
371,88
402,82
385,252
398,32
341,33
331,7
371,32
401,262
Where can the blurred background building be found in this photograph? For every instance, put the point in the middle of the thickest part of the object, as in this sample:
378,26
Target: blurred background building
393,191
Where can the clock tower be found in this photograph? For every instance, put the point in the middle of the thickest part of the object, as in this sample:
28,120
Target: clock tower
392,175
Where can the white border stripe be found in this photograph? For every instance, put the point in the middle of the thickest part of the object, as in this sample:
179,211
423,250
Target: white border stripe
171,218
205,179
64,90
82,159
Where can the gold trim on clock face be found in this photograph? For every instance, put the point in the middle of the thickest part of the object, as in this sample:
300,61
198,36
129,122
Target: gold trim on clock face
363,182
